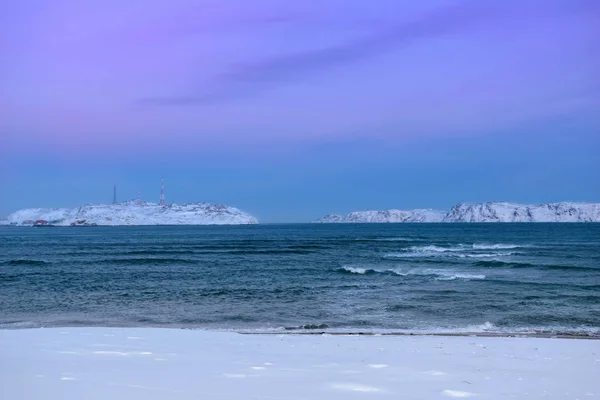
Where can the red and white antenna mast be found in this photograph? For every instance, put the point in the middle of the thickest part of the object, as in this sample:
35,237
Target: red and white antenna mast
139,200
162,191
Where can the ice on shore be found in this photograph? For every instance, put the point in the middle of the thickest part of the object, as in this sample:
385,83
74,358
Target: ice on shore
146,363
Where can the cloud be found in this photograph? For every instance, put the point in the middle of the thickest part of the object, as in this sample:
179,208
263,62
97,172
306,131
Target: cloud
458,18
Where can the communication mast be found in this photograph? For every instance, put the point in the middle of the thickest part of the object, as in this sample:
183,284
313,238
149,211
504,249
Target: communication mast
115,195
139,201
162,191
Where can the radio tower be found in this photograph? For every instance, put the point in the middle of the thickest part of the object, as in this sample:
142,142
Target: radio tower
139,201
162,191
115,195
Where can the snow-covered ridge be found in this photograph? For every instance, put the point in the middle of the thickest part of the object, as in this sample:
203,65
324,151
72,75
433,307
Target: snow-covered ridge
513,212
132,213
420,215
480,212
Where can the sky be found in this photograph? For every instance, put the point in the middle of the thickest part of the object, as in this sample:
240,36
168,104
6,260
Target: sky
291,110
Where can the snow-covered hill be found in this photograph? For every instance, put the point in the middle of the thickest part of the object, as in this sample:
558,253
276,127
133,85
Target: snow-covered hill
421,215
480,212
512,212
131,213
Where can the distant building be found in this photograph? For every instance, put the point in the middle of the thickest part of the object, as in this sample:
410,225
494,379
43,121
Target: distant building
28,222
41,222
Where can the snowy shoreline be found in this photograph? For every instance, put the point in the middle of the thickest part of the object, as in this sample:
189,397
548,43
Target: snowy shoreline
155,363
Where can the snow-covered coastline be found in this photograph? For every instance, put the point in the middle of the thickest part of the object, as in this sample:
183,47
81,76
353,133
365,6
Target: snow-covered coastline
420,215
153,363
133,213
479,212
514,212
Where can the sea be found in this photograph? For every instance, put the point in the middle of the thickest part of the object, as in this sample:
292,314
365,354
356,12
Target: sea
406,278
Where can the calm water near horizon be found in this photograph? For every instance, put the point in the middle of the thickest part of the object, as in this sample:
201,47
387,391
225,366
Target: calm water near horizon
366,277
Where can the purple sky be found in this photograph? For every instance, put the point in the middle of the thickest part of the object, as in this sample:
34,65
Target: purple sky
263,78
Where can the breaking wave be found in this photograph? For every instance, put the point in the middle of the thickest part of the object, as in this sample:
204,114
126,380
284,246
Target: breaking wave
435,251
356,270
436,274
499,246
460,276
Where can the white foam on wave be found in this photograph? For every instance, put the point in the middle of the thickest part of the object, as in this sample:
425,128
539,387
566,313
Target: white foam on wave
438,274
447,255
497,246
357,270
460,251
485,255
435,249
478,328
460,276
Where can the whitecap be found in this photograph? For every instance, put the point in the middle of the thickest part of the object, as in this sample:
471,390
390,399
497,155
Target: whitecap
356,270
497,246
460,276
485,255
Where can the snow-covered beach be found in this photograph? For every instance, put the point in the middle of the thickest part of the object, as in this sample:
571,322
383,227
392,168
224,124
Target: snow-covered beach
152,363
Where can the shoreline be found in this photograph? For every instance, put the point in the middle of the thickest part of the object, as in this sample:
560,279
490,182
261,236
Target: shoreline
319,332
447,334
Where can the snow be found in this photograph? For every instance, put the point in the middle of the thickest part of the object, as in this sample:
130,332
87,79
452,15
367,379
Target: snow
150,363
132,213
512,212
480,212
420,215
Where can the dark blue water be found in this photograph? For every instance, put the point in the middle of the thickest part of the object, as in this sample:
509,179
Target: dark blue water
401,277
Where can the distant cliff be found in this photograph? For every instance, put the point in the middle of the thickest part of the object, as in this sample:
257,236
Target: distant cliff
480,212
421,215
512,212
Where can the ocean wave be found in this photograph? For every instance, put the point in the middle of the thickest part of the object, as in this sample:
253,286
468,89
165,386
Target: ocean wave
433,251
154,252
24,262
514,264
486,255
267,251
391,239
144,261
477,328
394,239
496,329
460,276
498,246
457,251
493,328
436,274
356,270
